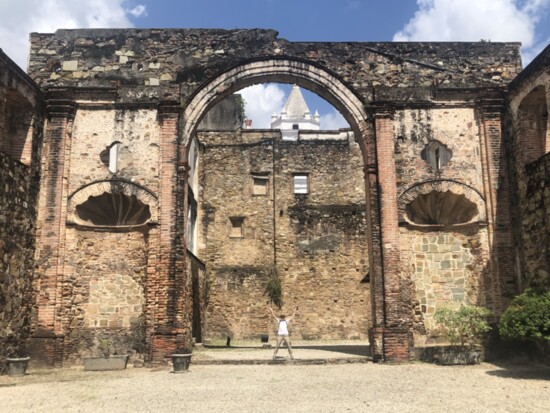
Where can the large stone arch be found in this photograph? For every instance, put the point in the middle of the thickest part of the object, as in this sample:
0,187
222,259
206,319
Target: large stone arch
390,332
307,74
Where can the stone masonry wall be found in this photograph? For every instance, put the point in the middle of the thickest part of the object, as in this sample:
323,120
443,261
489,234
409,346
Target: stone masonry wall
17,224
175,68
155,57
19,185
104,297
104,293
95,130
449,265
319,248
530,200
535,223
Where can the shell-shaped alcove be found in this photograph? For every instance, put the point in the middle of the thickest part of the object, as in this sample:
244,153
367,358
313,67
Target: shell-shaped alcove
441,208
113,209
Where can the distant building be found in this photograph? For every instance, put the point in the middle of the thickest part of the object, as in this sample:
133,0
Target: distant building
295,116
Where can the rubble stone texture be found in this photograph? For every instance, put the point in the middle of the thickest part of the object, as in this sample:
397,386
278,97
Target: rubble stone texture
123,107
316,241
21,117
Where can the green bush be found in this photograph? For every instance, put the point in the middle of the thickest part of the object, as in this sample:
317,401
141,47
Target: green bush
464,325
527,317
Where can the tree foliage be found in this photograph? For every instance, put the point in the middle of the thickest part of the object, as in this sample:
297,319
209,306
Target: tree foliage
527,317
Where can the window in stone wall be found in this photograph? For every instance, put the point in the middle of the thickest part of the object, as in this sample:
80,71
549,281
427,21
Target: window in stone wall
260,182
295,126
436,155
113,209
110,156
301,183
237,224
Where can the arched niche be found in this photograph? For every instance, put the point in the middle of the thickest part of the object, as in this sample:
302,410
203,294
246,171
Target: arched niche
441,203
112,203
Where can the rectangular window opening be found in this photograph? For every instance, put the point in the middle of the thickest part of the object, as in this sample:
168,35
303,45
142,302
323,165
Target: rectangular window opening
260,184
236,227
301,184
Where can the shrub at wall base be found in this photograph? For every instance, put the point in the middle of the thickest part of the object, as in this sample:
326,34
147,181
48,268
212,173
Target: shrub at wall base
463,328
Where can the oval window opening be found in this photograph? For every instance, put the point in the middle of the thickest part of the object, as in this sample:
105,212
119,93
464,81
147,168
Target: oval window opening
113,209
441,208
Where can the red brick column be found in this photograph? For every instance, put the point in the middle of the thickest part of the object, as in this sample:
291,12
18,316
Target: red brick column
46,345
167,281
502,285
391,332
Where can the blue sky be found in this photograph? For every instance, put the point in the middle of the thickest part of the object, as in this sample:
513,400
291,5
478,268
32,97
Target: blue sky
526,21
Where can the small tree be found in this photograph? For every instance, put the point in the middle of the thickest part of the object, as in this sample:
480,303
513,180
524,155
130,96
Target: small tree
527,317
464,325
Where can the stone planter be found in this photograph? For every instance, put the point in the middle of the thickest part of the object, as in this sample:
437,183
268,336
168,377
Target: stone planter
105,363
181,362
17,366
457,355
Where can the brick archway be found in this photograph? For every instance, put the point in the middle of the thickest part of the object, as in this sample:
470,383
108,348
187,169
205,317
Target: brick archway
390,334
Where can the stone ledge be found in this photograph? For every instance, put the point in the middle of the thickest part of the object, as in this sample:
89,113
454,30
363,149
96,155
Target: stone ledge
302,362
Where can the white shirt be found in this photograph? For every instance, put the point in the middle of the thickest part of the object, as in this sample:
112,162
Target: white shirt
283,328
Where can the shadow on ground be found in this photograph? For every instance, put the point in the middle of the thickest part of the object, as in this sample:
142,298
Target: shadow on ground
348,349
527,371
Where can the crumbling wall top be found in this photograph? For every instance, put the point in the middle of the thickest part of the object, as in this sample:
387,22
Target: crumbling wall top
152,57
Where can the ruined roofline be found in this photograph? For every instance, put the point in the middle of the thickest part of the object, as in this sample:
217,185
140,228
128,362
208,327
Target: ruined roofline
417,53
6,60
72,34
540,63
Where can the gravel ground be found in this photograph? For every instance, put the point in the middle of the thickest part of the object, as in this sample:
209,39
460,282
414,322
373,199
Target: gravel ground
414,387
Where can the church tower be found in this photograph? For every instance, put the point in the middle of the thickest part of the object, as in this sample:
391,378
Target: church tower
295,116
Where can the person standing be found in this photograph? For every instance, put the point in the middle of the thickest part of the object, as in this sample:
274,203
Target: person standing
283,333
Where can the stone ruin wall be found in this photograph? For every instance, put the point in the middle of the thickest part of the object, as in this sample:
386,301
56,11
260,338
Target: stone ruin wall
149,66
530,197
448,265
105,268
20,145
320,240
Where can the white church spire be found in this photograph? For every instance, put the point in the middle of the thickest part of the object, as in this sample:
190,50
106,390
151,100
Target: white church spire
295,116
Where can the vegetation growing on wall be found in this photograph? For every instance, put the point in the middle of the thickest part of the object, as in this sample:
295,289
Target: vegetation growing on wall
274,289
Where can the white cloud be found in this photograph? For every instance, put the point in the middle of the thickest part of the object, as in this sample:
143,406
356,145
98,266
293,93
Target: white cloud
139,10
333,121
261,101
473,20
18,18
